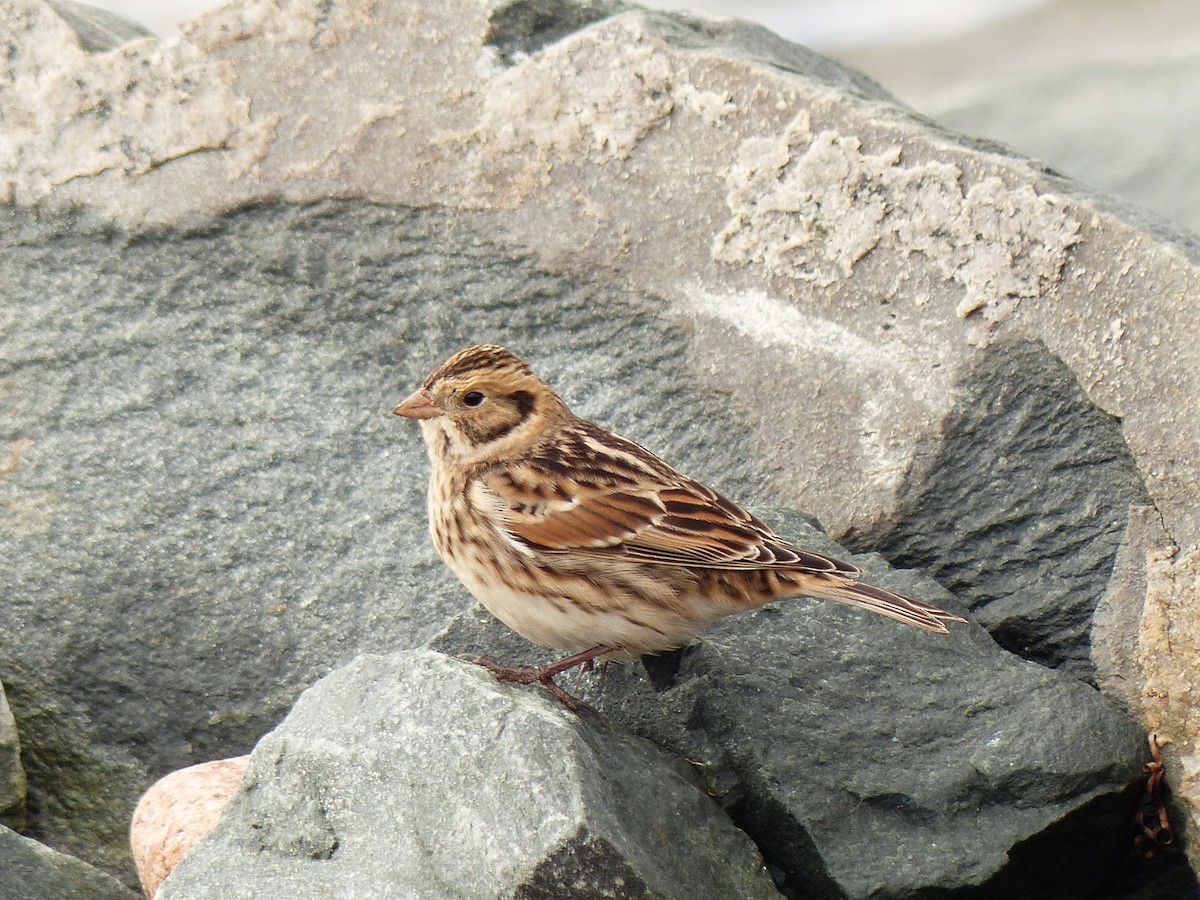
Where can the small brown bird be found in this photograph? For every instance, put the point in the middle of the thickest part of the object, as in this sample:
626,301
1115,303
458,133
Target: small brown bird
581,540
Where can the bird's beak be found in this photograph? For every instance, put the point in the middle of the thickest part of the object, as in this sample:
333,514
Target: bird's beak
418,405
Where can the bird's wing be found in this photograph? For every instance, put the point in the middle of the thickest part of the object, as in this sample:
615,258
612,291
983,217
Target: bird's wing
680,523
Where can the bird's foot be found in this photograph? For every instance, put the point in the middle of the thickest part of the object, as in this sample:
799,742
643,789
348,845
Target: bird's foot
530,675
544,675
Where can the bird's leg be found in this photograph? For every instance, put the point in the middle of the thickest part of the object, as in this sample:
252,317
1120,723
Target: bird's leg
545,674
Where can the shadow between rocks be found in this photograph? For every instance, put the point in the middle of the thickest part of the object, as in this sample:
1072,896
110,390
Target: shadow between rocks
1021,507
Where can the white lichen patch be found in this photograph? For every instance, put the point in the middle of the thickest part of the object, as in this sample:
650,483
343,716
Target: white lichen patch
1112,340
74,114
595,94
810,206
710,106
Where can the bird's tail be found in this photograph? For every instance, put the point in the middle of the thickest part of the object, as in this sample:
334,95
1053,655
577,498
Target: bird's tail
885,602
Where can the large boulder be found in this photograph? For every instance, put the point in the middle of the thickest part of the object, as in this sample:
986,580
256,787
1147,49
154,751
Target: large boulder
227,257
415,775
824,731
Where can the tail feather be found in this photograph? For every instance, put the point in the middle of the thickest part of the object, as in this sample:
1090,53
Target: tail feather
886,603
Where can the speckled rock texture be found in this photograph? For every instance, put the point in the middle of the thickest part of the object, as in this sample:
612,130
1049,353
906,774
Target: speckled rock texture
418,775
177,811
225,259
12,773
32,871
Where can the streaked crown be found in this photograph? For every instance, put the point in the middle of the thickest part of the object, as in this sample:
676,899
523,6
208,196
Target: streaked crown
490,358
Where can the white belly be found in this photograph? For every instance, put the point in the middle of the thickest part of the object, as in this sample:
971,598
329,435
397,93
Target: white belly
558,622
561,623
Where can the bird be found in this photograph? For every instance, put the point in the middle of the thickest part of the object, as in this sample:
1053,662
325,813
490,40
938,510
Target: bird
586,542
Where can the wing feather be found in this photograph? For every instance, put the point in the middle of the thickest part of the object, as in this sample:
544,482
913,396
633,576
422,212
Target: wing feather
660,517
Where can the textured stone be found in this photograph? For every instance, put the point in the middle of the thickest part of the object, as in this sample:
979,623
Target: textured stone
240,599
177,812
1119,129
1021,510
12,773
97,30
414,775
825,730
695,228
1111,105
1107,99
32,871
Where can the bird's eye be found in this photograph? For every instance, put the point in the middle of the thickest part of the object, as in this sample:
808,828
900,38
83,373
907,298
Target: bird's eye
473,398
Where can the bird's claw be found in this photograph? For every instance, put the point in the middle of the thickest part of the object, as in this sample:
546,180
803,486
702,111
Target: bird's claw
543,675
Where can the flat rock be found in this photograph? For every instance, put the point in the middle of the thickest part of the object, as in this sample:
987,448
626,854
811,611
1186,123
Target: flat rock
825,730
415,775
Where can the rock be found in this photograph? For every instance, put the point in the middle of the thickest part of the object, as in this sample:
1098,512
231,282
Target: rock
825,730
1021,510
1110,107
32,871
97,30
1119,130
168,528
176,812
227,257
12,774
417,775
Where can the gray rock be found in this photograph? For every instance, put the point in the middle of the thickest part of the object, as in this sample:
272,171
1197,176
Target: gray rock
1115,631
12,774
288,531
414,775
517,29
827,731
1119,130
32,871
1021,509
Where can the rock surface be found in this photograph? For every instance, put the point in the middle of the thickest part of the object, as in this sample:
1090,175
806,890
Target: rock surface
240,603
12,774
32,871
226,258
177,812
1109,99
417,775
825,730
1022,508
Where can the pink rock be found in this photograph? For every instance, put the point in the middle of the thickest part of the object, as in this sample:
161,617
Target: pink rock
176,812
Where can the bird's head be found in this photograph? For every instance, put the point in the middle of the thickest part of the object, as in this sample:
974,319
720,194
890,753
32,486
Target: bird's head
483,404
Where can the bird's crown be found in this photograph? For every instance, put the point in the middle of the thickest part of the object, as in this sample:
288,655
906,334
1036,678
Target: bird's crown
490,358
